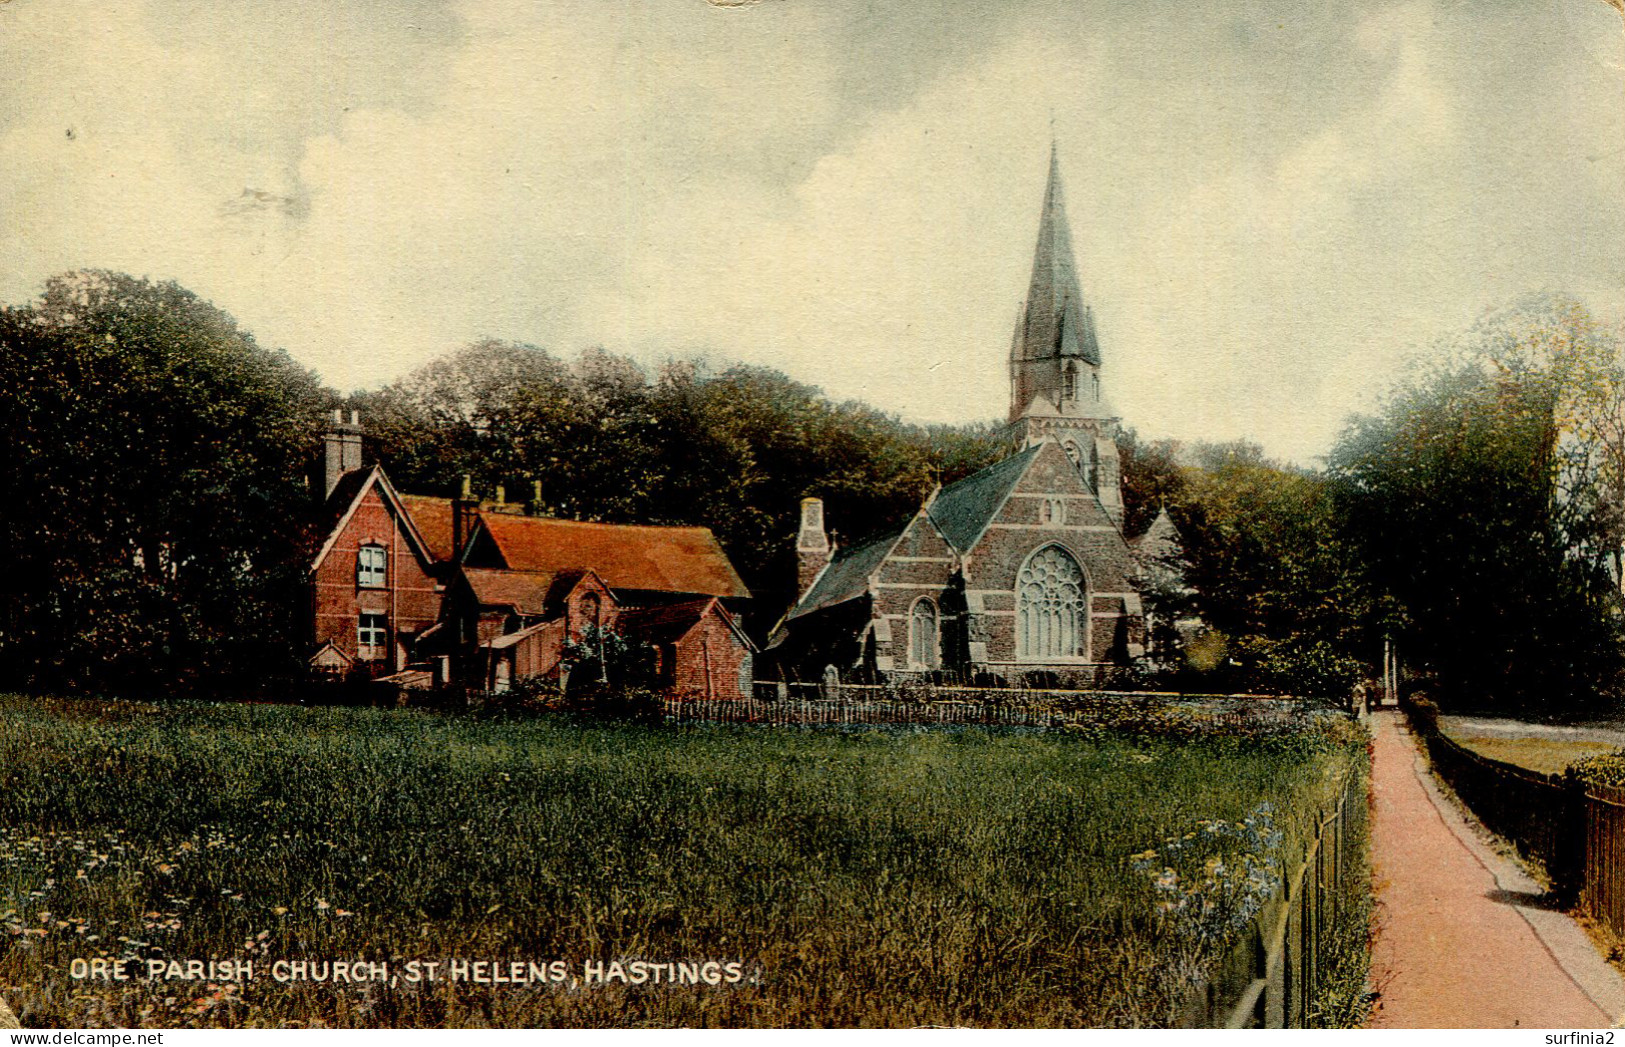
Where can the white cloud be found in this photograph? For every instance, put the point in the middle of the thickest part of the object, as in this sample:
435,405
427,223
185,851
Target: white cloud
1267,212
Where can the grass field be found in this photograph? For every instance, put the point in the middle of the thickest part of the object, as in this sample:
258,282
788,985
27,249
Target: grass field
1544,749
857,878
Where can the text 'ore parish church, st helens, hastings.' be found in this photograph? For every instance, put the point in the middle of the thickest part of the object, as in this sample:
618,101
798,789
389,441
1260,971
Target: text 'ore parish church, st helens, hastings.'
1021,571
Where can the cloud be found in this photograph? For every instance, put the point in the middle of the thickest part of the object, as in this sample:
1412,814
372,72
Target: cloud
1269,206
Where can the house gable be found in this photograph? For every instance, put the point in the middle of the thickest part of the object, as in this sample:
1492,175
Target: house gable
372,583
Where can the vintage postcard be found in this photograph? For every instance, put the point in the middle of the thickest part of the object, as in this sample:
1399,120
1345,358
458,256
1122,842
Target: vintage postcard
812,514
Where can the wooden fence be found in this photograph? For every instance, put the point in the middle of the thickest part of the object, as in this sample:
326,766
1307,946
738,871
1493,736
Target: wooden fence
1576,830
1271,978
1603,895
1543,815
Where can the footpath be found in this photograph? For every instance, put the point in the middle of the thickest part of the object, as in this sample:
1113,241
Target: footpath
1464,937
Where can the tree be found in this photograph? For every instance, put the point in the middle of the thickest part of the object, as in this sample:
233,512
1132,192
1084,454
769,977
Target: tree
156,503
1270,568
1483,502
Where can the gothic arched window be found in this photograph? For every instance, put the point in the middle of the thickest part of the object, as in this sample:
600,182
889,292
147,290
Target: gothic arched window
1095,378
1051,607
924,648
1091,475
1069,382
1072,452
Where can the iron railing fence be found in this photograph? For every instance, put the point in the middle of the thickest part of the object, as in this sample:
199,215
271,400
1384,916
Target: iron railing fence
1274,975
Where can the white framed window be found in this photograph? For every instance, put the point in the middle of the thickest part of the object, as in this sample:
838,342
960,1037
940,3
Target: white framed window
372,567
924,648
372,635
1051,603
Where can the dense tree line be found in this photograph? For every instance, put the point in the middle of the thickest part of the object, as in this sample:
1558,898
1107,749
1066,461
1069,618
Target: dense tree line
1483,505
158,517
733,448
153,508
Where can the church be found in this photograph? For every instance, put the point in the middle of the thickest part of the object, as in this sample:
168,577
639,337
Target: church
1019,574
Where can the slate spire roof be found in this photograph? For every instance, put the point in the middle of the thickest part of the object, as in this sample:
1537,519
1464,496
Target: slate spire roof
1055,320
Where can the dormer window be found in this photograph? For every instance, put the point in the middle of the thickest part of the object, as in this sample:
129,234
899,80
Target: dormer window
372,567
1069,382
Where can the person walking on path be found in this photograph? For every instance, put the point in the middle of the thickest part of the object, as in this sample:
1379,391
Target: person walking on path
1463,937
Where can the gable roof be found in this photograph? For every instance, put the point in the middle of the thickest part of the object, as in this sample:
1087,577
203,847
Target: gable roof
624,556
433,518
1161,539
963,510
527,592
669,623
347,496
846,576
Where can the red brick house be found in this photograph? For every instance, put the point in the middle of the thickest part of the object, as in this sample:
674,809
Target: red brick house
700,649
487,595
376,586
516,623
531,583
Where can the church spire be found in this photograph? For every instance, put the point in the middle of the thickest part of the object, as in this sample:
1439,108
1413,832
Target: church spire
1057,322
1054,356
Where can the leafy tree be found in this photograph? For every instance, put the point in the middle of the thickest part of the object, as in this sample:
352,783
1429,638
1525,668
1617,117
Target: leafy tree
1483,501
157,506
1268,562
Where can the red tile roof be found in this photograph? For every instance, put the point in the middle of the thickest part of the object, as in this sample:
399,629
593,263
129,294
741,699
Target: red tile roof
669,623
433,518
527,592
625,556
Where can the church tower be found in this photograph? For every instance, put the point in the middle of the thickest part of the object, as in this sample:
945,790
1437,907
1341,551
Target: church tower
1055,359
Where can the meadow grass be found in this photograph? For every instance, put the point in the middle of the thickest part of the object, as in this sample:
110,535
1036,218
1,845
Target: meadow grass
864,877
1544,755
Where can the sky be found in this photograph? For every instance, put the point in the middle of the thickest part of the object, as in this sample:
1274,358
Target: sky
1274,205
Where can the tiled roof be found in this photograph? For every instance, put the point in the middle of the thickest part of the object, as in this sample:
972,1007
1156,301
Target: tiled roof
963,510
663,624
625,556
669,623
846,577
433,517
527,592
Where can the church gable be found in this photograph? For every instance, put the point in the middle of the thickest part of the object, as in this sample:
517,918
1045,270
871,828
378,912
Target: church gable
914,598
1050,506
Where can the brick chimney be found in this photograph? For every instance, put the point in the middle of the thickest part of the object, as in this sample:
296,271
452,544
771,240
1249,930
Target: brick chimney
812,544
463,510
341,448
